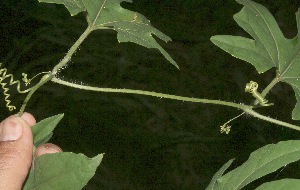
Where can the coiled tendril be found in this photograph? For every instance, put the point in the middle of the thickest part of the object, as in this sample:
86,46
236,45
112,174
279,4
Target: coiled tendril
251,87
3,76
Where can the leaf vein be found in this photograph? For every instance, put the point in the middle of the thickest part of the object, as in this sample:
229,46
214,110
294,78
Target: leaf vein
97,16
257,168
291,63
278,53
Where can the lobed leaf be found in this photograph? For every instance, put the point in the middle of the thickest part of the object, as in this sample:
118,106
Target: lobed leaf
268,49
63,170
261,162
131,26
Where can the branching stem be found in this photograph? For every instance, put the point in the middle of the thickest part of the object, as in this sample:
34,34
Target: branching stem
51,76
43,80
71,51
61,64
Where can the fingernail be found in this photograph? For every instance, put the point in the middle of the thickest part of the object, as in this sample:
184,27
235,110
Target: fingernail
52,148
11,130
47,149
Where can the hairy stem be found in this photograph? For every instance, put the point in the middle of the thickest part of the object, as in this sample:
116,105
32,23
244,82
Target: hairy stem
268,88
43,80
266,118
61,64
71,51
245,108
148,93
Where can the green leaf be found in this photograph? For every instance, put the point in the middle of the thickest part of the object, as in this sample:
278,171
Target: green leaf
260,163
217,175
63,170
283,184
43,130
131,26
268,49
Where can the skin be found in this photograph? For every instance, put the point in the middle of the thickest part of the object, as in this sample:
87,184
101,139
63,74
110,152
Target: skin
16,155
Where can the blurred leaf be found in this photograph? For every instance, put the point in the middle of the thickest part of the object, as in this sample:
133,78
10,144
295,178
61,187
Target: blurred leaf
269,49
131,26
63,170
219,174
43,130
261,162
283,184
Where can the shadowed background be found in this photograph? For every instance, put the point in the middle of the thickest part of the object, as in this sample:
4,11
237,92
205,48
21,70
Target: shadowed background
149,143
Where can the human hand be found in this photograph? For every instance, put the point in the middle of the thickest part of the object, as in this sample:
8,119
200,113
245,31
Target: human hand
16,145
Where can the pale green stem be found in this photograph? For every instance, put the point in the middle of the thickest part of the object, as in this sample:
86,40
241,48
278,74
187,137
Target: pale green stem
43,80
268,88
266,118
61,64
71,51
264,93
245,108
148,93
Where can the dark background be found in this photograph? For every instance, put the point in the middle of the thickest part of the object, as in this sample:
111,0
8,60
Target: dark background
149,143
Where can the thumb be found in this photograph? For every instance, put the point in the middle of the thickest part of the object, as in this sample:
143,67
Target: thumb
16,144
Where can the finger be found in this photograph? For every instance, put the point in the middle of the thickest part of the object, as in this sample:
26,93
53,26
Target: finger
15,152
29,118
47,149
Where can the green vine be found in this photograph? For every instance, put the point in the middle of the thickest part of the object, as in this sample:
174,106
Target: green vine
47,77
52,76
42,81
246,108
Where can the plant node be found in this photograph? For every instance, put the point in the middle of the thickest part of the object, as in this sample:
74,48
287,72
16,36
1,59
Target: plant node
4,75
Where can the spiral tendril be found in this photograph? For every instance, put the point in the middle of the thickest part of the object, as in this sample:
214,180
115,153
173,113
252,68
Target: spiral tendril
252,87
3,76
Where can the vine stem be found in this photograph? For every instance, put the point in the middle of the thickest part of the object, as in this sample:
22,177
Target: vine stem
47,77
269,119
148,93
72,50
246,108
51,76
43,80
269,87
